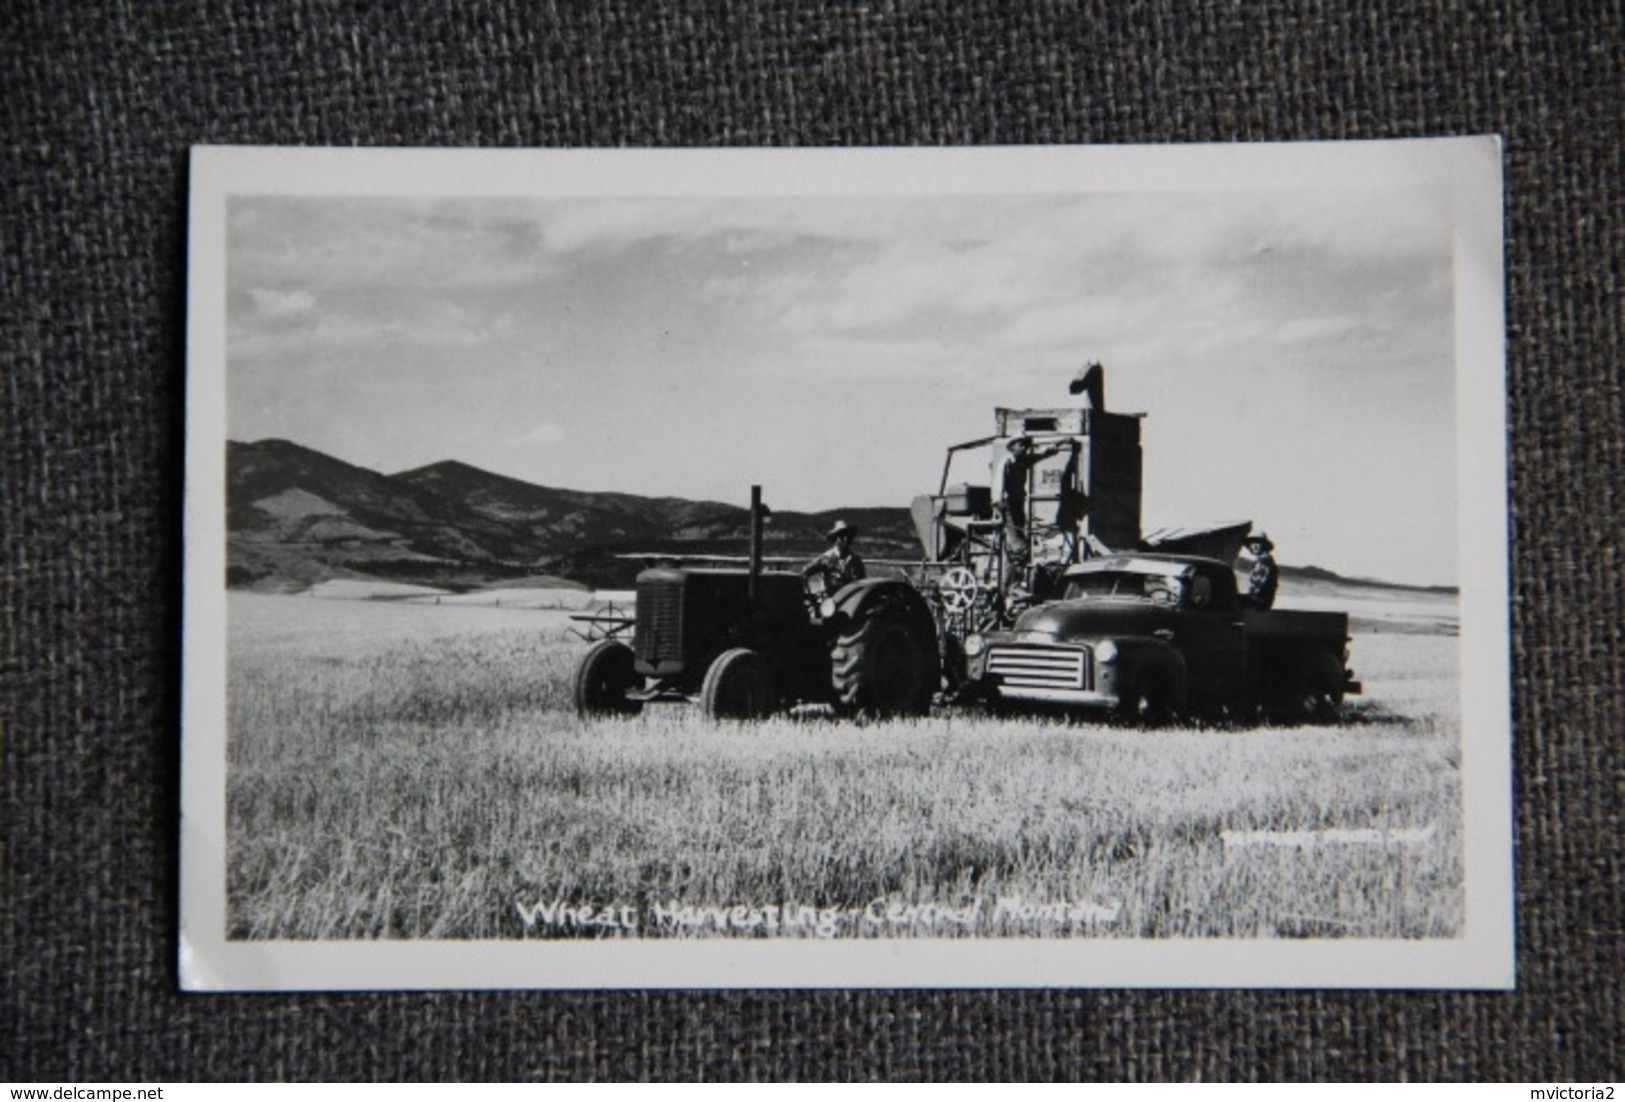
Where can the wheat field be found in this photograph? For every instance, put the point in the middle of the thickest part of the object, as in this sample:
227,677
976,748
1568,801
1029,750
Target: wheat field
414,771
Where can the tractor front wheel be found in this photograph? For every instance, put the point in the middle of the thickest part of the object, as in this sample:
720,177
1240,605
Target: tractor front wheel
739,685
885,666
604,678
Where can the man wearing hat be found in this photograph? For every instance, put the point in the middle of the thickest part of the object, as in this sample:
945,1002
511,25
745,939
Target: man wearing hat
839,565
1265,576
1018,468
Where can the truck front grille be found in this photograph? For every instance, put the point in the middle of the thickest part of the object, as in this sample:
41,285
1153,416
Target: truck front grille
658,635
1037,666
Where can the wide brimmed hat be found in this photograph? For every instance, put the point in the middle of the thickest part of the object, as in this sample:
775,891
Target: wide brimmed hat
1260,541
842,528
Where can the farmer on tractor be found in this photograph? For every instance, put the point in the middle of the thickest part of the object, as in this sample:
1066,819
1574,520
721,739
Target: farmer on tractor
840,565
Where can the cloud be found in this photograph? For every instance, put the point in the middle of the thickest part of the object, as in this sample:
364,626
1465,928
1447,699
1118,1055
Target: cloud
1313,330
281,323
541,436
282,304
741,226
346,244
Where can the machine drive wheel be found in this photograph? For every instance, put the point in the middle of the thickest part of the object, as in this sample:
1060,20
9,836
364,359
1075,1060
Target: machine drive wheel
1149,703
603,680
739,685
958,590
885,666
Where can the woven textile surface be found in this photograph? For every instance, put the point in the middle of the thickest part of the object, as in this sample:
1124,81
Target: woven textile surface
100,104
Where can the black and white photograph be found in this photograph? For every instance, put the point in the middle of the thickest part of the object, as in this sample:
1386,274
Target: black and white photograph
847,568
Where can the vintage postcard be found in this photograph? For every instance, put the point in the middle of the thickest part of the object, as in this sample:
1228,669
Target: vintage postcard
847,568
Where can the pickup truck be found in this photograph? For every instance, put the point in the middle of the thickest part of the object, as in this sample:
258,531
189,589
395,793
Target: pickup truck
1148,637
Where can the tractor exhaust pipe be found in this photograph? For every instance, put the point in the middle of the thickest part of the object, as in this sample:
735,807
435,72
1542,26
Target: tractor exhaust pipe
757,512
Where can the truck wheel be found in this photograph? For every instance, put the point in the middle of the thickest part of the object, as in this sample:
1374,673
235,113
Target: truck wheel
1149,702
883,666
603,680
738,685
1319,697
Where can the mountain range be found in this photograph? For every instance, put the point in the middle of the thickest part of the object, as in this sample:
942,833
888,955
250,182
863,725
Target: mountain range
296,516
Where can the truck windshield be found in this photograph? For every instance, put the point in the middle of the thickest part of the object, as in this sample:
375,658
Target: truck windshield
1162,589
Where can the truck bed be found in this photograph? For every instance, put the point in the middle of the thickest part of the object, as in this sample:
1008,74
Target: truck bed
1280,625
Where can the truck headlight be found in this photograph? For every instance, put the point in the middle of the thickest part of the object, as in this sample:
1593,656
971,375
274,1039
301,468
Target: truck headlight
827,608
1105,652
974,645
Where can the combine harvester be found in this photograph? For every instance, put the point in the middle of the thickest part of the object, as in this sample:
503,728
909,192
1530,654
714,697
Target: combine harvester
1063,486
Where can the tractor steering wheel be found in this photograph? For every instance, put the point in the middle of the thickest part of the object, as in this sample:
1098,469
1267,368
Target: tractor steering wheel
814,588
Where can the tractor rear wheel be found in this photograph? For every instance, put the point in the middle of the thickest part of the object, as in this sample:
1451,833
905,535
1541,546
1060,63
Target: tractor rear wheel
885,666
739,685
603,680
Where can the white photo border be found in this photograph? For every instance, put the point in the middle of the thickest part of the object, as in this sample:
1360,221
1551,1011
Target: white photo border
1482,957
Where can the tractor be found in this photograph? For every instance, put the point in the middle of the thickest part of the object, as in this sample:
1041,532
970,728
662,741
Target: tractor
746,643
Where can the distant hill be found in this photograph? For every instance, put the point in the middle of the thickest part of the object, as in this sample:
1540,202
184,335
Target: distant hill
1310,575
296,517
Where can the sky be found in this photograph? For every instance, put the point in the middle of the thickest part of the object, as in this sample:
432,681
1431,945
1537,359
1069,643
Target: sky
1291,348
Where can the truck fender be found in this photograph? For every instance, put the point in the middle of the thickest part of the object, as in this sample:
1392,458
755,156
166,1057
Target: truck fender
1136,656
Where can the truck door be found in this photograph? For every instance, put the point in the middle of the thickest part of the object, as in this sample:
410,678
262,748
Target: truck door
1215,639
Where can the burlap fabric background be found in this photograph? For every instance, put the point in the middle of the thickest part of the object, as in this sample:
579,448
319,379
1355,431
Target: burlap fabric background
99,104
